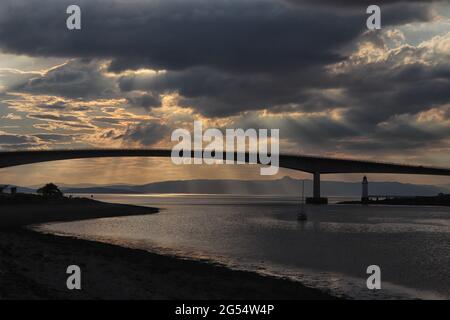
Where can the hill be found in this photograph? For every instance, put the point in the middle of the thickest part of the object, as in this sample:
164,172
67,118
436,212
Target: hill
285,186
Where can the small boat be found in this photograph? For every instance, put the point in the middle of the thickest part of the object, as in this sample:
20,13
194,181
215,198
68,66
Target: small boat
302,216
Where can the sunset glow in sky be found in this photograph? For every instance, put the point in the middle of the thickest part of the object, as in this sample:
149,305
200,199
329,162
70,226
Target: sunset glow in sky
140,69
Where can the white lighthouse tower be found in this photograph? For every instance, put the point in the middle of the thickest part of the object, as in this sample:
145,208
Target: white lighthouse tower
365,191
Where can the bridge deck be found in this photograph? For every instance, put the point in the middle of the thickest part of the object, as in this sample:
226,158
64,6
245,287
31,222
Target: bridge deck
305,163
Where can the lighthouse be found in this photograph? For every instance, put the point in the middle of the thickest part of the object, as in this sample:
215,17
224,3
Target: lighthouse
365,191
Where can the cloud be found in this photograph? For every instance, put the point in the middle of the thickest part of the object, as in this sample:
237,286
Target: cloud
13,77
12,116
312,133
146,100
108,120
145,133
6,138
81,108
402,80
10,141
307,67
54,117
235,36
221,57
214,93
55,138
53,106
358,3
76,79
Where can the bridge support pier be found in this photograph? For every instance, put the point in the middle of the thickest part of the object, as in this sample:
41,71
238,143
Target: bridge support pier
316,199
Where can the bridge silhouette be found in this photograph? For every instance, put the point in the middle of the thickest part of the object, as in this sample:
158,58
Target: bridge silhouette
311,164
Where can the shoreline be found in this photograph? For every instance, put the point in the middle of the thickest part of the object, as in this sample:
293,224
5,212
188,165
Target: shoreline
35,268
25,214
33,265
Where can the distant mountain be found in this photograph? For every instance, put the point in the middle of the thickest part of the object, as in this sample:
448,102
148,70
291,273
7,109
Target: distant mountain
65,185
20,189
25,190
106,189
285,186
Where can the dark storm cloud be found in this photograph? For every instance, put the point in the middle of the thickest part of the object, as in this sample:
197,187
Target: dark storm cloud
319,131
315,133
360,3
399,136
222,57
228,57
401,132
393,12
145,133
75,79
239,36
215,93
378,147
147,100
379,91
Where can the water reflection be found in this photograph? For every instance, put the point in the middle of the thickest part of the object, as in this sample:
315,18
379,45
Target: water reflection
330,250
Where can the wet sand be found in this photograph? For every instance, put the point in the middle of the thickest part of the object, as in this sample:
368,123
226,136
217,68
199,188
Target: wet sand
33,265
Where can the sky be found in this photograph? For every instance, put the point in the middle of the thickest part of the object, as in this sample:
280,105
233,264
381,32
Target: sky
138,70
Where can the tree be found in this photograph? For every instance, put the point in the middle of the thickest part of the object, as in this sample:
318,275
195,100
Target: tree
50,190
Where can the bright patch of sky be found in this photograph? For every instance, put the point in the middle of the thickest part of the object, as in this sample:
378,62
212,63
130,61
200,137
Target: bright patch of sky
24,63
416,33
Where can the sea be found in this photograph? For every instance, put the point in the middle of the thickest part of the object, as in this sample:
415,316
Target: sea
331,251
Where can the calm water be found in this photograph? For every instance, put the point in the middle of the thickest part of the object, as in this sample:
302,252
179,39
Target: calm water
330,251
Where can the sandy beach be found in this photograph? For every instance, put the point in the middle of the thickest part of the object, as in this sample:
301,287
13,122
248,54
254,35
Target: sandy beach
33,265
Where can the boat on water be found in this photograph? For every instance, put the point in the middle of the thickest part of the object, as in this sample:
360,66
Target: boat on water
302,216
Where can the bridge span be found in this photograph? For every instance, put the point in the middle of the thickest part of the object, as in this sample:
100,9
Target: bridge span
311,164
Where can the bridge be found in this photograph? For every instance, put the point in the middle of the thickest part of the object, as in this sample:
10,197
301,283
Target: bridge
311,164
